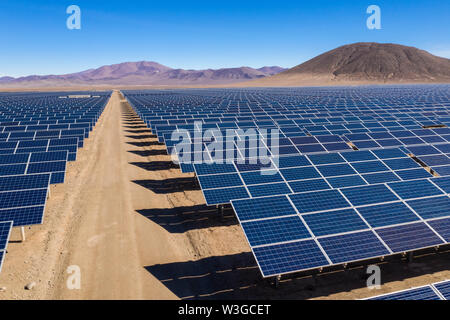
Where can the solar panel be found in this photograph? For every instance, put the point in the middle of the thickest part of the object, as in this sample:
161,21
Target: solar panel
402,163
339,221
261,208
24,182
443,288
422,293
16,199
387,214
269,189
408,237
220,181
308,185
369,166
5,230
275,230
368,195
300,173
259,177
318,201
381,177
353,247
333,170
214,168
442,226
289,257
346,181
414,189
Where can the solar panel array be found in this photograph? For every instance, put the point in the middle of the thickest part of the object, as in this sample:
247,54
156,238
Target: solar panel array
355,173
39,133
435,291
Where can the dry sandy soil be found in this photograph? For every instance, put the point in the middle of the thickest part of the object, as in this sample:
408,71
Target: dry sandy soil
139,229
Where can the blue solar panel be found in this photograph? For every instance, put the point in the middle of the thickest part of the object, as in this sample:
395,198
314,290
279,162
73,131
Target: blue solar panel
366,144
347,181
402,163
253,166
443,183
422,293
389,153
23,216
414,189
409,237
309,185
411,174
14,158
369,166
292,161
220,181
271,231
259,177
327,223
326,158
441,226
331,170
260,208
387,214
24,182
358,156
45,167
429,208
224,195
338,146
436,160
5,229
299,173
12,169
353,247
310,148
443,288
269,189
318,201
369,195
423,150
289,257
57,177
213,168
49,156
380,177
443,170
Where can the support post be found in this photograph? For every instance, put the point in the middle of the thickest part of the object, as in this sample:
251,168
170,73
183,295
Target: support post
277,281
22,232
410,257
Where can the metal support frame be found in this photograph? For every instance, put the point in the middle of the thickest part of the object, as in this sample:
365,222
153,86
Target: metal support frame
410,256
277,281
22,232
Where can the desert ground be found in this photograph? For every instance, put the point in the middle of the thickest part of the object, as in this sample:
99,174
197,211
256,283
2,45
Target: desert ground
139,229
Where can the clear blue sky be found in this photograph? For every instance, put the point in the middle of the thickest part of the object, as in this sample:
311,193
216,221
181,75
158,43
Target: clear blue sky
205,34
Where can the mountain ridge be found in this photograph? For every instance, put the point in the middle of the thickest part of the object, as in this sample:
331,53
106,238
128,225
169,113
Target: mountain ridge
365,63
143,73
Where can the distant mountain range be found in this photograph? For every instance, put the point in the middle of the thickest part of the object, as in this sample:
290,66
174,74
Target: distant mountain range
142,73
365,63
358,63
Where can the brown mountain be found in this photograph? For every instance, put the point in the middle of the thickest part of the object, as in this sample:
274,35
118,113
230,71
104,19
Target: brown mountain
142,73
366,63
